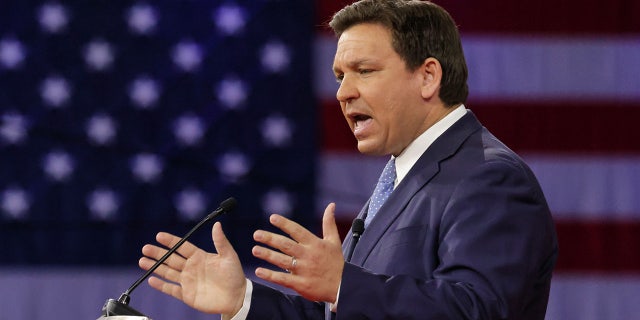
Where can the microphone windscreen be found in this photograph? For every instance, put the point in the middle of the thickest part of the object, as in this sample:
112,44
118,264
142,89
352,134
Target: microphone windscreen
229,204
358,226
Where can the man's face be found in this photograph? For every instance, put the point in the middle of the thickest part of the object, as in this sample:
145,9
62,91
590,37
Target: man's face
380,99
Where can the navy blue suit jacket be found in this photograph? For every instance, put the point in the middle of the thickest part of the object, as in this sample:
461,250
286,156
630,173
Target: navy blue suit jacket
467,234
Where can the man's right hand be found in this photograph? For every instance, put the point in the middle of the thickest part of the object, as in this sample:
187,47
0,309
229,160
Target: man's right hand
209,282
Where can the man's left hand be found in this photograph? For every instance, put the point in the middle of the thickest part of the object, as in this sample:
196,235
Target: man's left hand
313,266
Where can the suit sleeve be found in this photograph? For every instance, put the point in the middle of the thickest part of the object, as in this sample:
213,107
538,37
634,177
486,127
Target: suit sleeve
268,303
496,250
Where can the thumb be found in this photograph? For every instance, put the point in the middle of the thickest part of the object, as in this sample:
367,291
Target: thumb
329,227
220,241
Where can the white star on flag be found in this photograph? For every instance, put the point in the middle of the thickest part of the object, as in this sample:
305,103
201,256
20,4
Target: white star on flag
103,204
232,92
275,57
15,203
98,55
187,55
55,91
142,19
230,19
13,128
53,17
58,165
146,167
101,129
144,92
190,204
12,53
276,131
233,166
277,201
188,129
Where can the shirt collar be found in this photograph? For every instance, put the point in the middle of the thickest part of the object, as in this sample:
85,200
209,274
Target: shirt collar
413,152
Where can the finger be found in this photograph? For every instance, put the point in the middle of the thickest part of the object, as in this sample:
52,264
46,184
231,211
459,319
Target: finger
329,226
278,259
168,240
163,271
176,261
220,241
293,229
171,289
277,241
281,278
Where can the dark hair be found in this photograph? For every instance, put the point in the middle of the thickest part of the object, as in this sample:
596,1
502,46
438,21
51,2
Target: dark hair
419,30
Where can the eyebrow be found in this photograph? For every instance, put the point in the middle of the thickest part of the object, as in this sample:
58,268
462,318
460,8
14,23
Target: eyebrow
353,64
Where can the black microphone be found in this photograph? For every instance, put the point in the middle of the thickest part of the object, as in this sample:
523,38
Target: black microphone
357,228
121,307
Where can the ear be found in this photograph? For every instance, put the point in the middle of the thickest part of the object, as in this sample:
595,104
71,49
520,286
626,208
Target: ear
431,72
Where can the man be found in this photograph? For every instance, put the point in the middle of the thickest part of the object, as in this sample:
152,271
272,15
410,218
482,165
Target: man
465,233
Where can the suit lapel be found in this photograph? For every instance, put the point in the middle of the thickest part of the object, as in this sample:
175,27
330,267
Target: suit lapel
420,174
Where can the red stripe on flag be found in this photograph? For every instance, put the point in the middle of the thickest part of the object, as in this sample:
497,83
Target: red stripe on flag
594,127
543,16
598,246
325,10
335,134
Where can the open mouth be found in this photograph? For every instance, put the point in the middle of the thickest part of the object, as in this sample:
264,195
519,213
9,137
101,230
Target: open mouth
360,122
360,118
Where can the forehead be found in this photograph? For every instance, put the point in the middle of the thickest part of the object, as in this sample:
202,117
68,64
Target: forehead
363,41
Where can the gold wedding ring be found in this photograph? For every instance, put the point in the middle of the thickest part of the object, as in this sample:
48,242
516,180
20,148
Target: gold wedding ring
294,262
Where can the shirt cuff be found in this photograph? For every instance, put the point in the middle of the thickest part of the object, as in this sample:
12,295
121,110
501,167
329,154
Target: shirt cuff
334,306
243,313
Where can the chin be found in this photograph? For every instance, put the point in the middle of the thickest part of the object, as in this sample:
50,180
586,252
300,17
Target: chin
370,150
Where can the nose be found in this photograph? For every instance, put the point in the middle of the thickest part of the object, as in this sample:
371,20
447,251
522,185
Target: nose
347,90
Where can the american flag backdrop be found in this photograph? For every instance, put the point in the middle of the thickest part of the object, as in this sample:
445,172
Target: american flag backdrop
558,82
123,118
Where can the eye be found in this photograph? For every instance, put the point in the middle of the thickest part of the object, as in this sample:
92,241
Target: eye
365,71
339,78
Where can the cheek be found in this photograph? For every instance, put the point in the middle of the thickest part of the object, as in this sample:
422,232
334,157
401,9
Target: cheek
397,118
390,112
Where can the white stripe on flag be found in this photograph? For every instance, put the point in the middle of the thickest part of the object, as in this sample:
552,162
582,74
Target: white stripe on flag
589,187
540,68
553,68
594,297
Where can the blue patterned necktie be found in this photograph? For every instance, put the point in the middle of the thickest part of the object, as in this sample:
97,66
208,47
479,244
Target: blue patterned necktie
382,191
